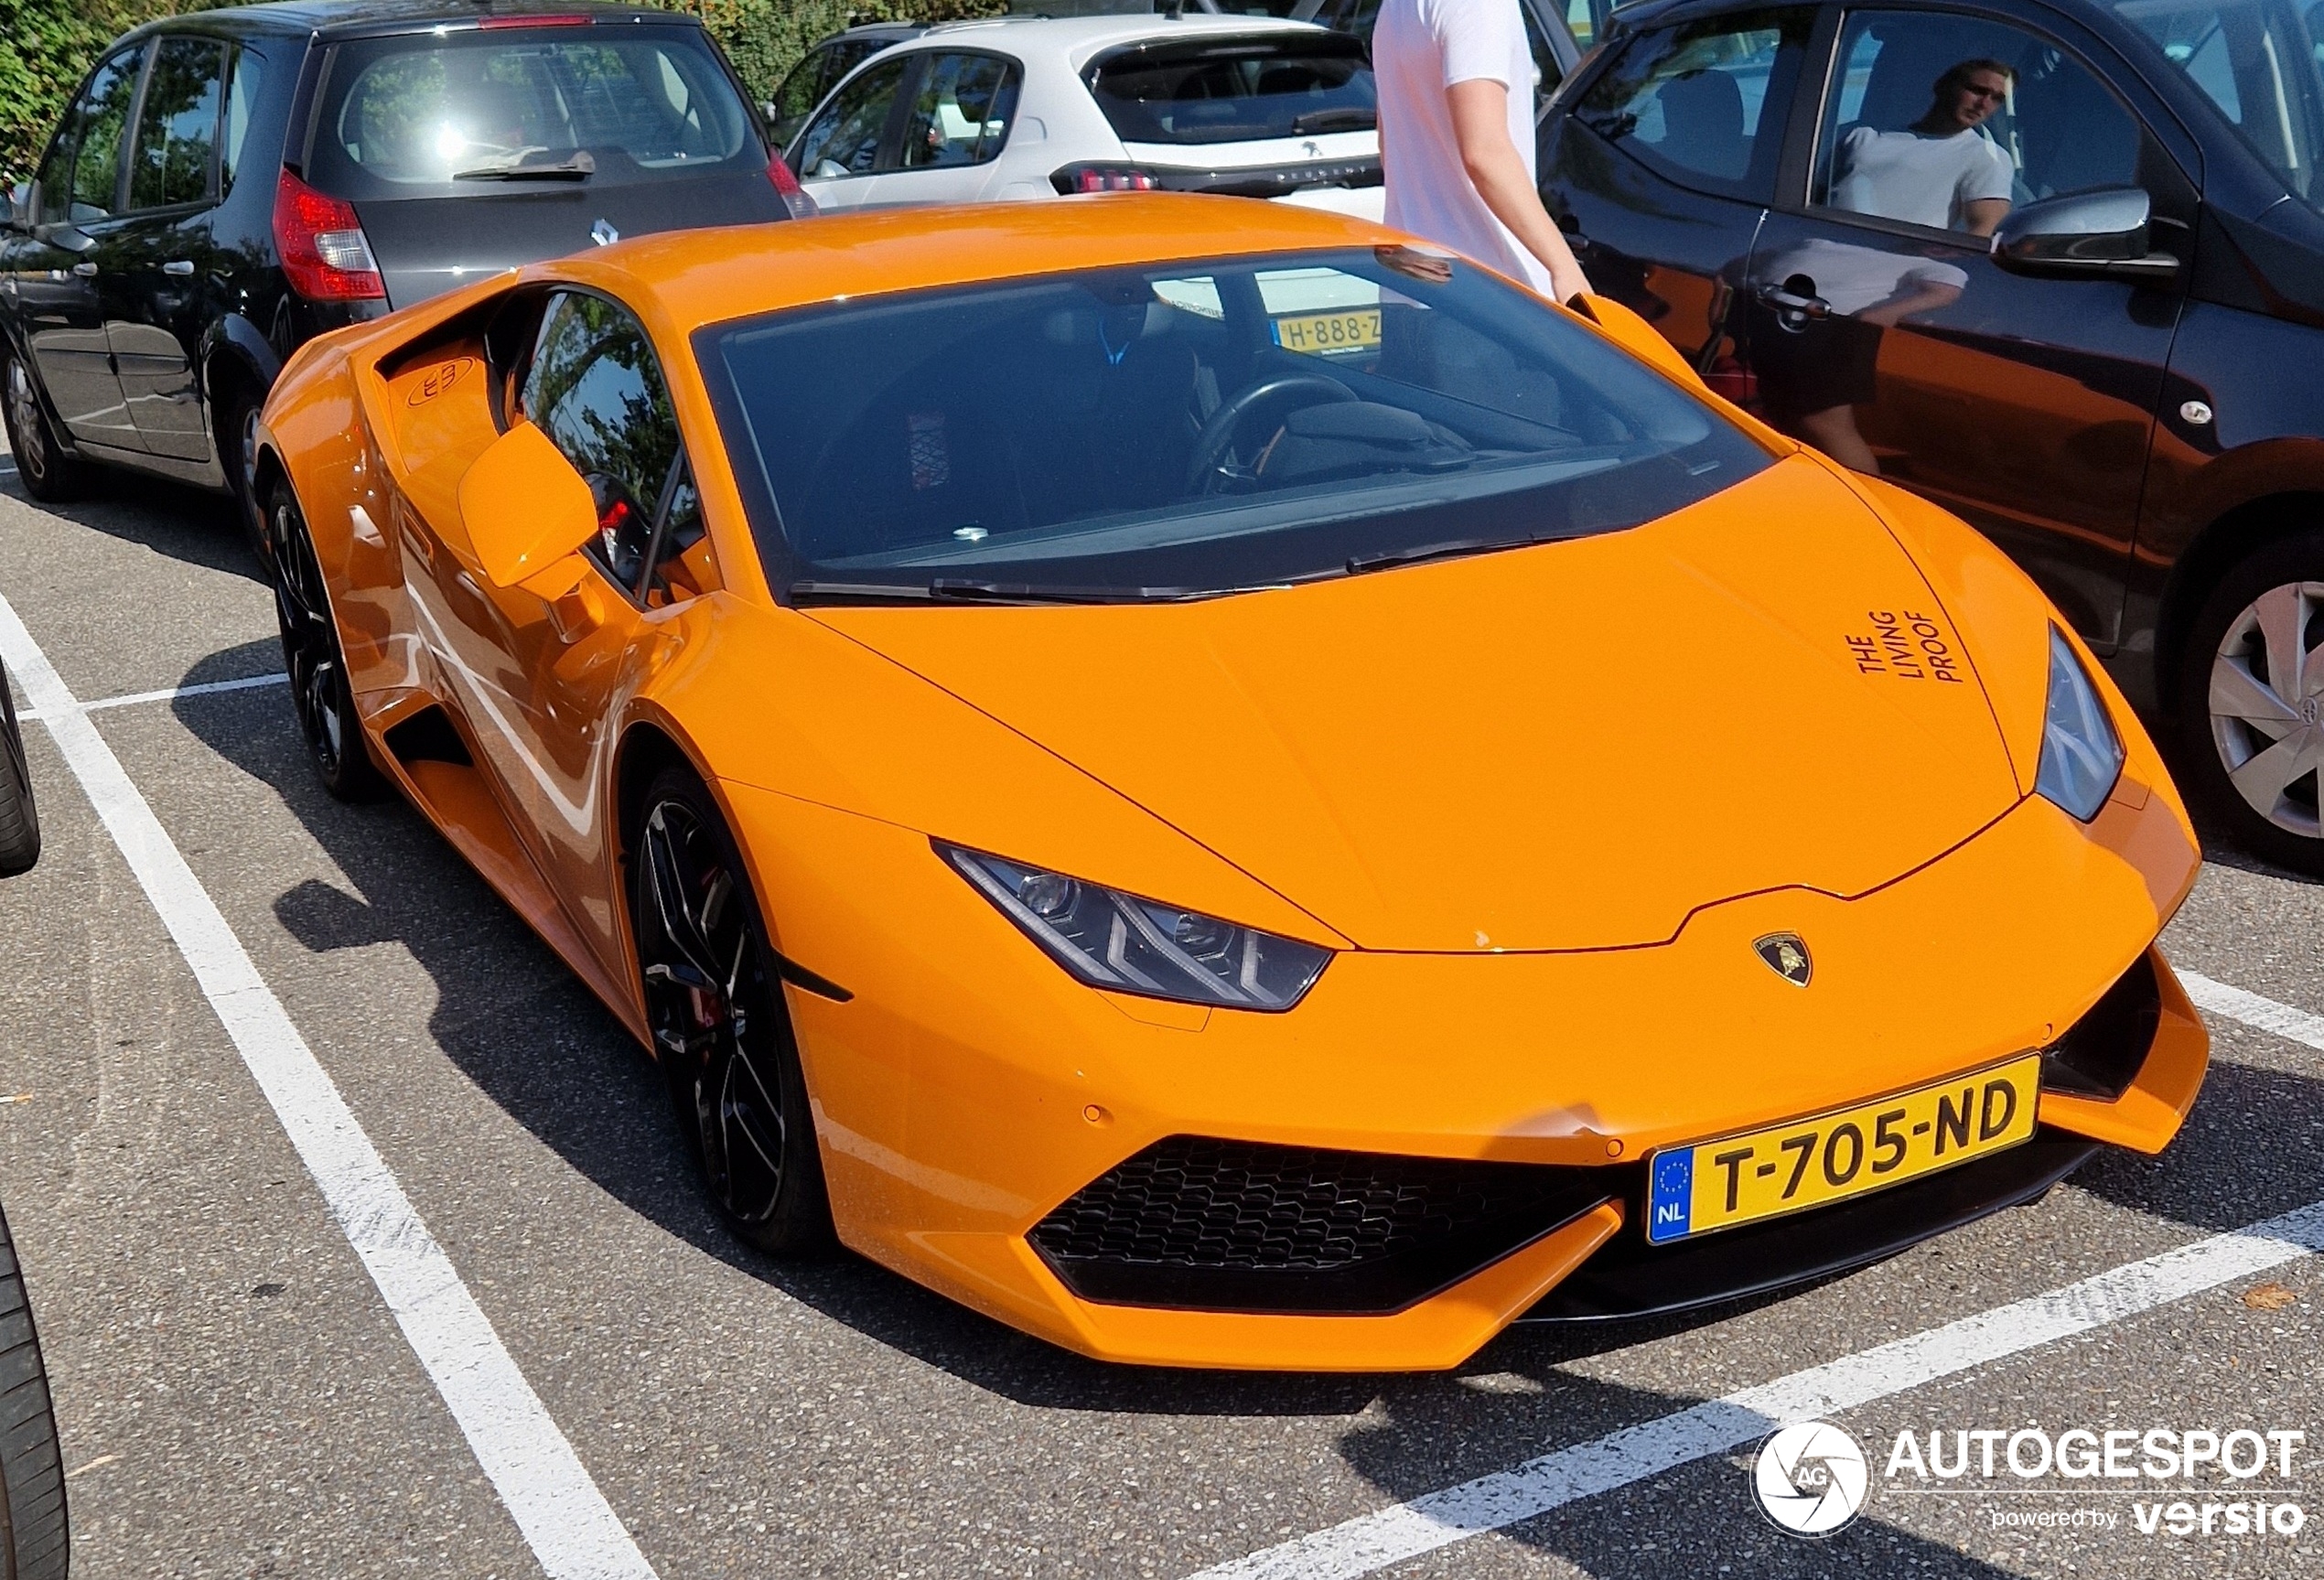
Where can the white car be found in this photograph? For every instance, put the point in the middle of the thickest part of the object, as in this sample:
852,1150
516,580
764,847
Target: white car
1024,107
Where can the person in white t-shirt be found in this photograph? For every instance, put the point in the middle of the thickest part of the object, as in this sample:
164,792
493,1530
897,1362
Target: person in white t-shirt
1456,83
1941,171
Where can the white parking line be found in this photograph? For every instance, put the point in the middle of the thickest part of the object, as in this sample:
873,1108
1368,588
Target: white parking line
1618,1459
2281,1019
171,695
564,1517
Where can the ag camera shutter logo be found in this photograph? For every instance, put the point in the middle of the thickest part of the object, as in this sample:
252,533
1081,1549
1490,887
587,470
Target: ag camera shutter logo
1811,1478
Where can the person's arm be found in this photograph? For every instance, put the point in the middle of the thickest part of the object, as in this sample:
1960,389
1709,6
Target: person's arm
1983,216
1480,126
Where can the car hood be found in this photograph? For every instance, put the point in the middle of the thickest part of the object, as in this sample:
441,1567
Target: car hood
1571,745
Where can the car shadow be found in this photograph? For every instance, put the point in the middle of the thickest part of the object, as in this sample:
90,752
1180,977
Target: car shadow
172,519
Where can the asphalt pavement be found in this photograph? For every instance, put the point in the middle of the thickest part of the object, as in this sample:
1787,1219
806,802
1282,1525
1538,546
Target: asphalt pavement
237,1397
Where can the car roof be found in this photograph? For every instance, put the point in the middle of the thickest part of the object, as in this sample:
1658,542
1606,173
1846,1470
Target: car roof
1074,34
345,17
686,279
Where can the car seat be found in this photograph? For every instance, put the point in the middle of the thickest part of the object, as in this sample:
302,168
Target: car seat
1703,125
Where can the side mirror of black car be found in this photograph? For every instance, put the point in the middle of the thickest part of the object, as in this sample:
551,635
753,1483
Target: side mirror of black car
2084,235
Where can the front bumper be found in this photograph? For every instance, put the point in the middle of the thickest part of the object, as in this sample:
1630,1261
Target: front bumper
969,1088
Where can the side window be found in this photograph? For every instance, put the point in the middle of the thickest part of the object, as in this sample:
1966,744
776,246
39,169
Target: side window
845,139
1949,121
1703,103
2259,61
82,177
962,113
177,125
596,391
800,92
1548,73
241,103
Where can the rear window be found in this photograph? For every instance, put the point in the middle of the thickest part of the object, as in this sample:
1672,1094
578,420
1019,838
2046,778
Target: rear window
440,113
1189,429
1236,90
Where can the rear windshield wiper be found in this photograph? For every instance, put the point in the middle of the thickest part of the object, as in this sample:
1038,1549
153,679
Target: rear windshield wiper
1346,118
577,166
1459,548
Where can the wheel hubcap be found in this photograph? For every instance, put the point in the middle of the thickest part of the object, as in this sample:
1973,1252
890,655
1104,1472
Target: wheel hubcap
25,430
311,648
2266,701
705,1005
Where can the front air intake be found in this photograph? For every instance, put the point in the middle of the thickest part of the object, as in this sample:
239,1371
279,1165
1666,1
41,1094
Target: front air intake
1195,1223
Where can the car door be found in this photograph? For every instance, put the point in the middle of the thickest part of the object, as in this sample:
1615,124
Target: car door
543,671
854,134
1662,167
153,267
1880,330
78,201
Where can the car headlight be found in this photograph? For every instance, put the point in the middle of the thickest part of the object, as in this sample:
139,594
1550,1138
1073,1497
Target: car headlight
2080,755
1117,941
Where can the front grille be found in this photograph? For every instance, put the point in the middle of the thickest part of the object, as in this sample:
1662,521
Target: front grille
1198,1223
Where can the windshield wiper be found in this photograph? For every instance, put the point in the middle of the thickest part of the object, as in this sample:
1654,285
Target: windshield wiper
948,589
1346,118
577,166
1457,548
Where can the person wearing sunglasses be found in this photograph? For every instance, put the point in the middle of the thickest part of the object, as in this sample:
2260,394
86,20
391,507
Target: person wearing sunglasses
1941,171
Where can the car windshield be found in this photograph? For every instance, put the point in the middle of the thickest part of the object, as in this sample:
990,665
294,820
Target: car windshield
1290,85
2258,62
1191,429
464,111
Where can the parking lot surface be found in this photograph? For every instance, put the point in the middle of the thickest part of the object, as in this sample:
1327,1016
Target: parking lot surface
243,1391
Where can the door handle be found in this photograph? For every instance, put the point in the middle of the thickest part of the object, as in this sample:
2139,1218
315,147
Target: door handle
1802,305
86,271
180,266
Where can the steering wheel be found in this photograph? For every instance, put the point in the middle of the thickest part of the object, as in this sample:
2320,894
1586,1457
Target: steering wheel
1211,443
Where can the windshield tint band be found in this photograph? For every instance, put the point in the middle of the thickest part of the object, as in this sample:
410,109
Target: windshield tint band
1192,428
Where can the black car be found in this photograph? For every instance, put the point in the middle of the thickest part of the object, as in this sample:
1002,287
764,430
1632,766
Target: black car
228,184
2056,264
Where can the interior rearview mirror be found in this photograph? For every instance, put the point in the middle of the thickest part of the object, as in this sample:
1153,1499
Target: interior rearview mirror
525,505
2101,234
1639,337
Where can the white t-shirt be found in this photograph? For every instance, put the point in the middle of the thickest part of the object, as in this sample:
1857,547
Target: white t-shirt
1419,48
1853,278
1921,180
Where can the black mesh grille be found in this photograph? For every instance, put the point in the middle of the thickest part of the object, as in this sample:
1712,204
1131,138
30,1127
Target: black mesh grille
2101,1054
1197,1222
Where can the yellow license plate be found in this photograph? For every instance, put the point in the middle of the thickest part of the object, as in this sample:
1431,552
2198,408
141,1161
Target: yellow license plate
1808,1162
1329,334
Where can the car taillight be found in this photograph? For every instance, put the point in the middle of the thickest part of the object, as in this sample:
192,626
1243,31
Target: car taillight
796,198
1103,178
321,243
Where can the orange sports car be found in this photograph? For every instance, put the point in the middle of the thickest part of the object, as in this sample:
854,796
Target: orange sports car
1225,788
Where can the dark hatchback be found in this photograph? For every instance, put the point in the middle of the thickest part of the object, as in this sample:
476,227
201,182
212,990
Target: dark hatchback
2056,264
228,184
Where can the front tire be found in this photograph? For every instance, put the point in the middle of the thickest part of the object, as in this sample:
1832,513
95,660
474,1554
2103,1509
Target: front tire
19,819
720,1028
313,659
2251,703
35,1534
50,473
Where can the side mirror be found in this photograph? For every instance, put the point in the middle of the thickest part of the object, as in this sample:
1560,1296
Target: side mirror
2101,234
1639,337
525,508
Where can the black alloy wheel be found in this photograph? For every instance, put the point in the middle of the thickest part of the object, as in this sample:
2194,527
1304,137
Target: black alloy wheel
311,656
19,819
716,1010
2251,703
36,1538
50,475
